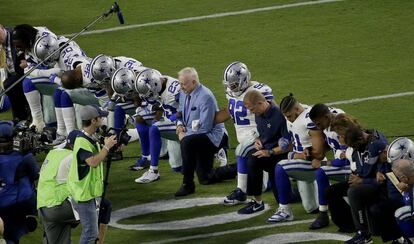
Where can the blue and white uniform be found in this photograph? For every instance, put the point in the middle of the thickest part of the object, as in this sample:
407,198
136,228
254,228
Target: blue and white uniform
299,169
339,169
43,80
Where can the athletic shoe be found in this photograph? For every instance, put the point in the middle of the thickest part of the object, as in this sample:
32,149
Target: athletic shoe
235,197
140,164
321,221
185,190
252,207
148,177
221,157
281,215
59,140
360,238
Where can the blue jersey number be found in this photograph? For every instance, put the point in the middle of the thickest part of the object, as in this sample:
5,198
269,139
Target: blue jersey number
333,143
238,112
258,86
173,87
298,145
129,64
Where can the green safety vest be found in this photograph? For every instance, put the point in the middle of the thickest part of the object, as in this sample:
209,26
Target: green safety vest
91,186
49,191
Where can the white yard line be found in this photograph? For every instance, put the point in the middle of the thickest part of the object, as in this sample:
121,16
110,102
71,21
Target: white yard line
210,16
363,99
203,236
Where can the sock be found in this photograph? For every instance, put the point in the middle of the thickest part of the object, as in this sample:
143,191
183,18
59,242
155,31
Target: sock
285,207
155,144
323,184
283,185
68,112
323,208
61,129
242,182
154,168
143,132
35,104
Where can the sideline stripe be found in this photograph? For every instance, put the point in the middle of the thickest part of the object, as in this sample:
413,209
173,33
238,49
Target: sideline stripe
363,99
203,236
210,16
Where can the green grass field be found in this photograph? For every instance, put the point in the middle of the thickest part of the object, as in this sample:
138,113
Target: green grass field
322,53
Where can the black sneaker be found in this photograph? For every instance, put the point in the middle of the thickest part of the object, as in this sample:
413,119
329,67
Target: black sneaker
252,207
235,197
185,190
321,221
360,238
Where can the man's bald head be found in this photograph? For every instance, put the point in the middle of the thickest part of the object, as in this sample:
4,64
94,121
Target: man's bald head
404,170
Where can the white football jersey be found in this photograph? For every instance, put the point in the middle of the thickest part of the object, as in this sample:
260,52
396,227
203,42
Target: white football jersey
70,55
332,137
244,120
130,63
299,130
169,97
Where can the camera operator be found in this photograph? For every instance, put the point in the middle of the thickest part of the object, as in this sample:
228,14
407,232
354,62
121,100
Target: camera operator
17,194
85,180
54,207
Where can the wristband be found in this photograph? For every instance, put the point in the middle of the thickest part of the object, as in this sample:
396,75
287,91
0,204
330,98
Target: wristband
105,147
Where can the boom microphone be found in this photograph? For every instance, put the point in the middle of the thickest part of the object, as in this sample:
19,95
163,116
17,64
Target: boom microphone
119,14
115,9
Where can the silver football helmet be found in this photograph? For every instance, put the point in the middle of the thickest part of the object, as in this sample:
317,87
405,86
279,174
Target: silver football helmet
148,83
102,68
122,81
44,46
236,78
400,148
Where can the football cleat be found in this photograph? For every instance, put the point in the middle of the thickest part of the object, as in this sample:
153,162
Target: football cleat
140,164
281,215
360,238
148,177
252,207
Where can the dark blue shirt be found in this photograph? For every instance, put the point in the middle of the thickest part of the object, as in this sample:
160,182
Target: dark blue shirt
366,158
271,126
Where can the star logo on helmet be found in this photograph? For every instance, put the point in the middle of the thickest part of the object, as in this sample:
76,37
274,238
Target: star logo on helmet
402,147
102,70
147,80
124,83
238,72
47,46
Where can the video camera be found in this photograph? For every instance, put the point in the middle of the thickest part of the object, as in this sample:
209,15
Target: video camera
122,136
27,139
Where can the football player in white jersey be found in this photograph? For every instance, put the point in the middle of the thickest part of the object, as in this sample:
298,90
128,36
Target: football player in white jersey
308,147
164,91
94,75
24,39
337,169
237,81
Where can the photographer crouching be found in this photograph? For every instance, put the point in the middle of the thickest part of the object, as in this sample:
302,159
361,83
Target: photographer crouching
85,180
18,172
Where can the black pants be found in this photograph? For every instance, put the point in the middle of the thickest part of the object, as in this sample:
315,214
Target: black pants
197,152
384,222
339,209
20,107
255,167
